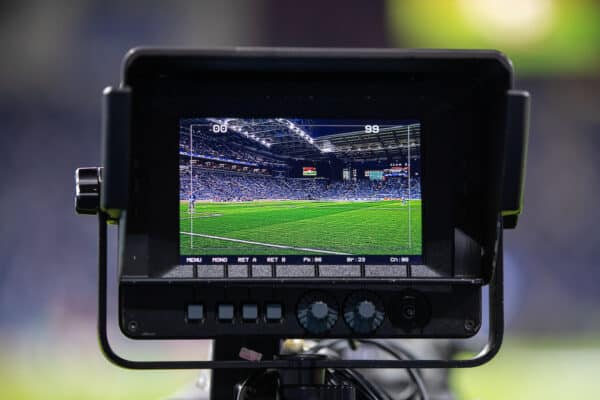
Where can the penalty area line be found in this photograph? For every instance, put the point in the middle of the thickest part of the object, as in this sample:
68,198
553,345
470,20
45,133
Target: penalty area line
279,246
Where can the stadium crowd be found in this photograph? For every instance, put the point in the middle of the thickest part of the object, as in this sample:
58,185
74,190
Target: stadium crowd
219,185
233,147
230,167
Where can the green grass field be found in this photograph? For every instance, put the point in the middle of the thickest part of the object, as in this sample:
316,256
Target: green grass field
301,227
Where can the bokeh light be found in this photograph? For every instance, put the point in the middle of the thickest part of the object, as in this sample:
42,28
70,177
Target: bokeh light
541,36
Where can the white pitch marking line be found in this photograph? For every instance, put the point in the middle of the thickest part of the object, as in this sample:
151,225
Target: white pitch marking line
409,194
279,246
201,215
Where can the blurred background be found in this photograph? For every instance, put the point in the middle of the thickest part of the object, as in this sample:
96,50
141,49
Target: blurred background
57,56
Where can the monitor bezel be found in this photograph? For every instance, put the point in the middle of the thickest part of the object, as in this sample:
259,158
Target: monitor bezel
436,88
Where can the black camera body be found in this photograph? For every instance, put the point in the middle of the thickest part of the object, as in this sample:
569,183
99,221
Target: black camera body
435,138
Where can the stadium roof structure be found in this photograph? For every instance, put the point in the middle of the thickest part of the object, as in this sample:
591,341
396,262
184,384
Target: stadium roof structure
284,138
363,145
281,136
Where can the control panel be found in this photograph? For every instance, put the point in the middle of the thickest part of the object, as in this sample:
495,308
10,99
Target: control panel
208,309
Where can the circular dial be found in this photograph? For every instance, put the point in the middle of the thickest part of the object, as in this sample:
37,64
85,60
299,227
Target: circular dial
317,312
363,312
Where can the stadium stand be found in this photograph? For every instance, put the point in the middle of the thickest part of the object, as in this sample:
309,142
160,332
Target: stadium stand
228,147
230,166
220,185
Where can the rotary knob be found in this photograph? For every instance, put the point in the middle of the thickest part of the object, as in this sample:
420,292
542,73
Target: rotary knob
317,312
87,190
363,312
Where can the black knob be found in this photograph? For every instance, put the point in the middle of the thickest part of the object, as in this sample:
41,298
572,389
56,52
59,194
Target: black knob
363,312
317,312
87,190
409,310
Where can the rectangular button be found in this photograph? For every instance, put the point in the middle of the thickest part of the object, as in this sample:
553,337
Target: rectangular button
340,271
273,312
180,271
423,271
250,312
225,312
237,271
295,271
195,312
211,271
262,271
385,271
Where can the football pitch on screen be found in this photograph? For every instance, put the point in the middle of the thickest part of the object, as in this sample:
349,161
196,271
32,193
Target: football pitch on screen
384,227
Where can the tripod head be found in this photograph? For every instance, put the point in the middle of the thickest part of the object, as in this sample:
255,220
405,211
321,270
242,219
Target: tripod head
264,194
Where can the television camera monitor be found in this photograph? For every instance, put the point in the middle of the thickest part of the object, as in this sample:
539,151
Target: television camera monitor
308,193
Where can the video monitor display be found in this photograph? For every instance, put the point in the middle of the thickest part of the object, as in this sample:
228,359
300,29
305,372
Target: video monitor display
340,190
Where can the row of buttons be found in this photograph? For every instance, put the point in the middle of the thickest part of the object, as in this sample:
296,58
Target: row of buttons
305,270
215,271
226,312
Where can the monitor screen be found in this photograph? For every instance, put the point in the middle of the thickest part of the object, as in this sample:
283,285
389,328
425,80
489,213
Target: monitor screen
285,189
